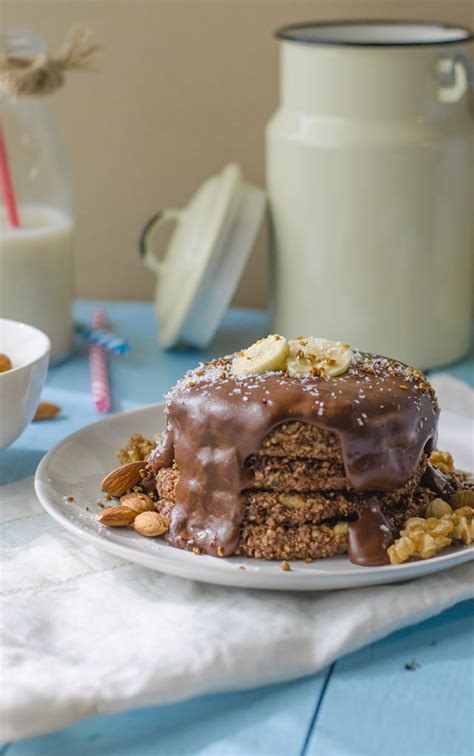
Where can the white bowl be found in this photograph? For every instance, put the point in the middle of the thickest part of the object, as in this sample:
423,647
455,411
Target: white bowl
20,388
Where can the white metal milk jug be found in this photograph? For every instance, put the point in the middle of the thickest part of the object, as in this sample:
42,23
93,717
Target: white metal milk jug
369,174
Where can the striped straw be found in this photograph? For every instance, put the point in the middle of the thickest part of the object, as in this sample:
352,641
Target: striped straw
110,341
99,367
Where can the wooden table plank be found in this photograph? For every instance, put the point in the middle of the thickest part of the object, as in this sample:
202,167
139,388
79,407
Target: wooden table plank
375,705
270,720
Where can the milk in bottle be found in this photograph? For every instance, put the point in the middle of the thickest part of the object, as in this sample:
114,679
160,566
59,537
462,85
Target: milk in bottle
36,272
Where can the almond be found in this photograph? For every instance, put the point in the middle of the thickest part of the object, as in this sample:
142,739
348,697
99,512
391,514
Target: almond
139,502
151,524
46,411
117,516
122,479
463,498
5,363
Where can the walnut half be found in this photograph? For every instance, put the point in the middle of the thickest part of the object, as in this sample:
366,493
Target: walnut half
425,537
442,460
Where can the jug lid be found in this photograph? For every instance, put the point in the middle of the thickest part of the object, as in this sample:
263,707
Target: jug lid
376,33
205,258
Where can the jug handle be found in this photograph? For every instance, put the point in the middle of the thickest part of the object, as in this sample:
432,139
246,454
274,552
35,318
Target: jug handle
456,75
150,259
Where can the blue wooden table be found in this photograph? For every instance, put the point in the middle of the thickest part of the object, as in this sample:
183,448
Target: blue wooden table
410,694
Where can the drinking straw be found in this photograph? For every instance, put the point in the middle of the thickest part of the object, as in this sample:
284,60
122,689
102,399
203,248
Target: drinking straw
100,384
6,183
109,340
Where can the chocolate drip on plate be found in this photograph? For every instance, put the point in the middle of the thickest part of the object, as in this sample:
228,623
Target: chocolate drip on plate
437,482
370,536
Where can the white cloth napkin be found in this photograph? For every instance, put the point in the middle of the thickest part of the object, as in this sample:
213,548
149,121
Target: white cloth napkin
83,632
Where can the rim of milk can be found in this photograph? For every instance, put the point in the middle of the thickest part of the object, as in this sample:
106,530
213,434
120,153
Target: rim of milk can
376,33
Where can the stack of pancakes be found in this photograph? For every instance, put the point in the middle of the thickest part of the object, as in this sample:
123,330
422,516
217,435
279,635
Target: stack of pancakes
298,500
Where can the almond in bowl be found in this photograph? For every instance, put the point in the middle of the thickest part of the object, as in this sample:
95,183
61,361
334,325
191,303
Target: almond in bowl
5,363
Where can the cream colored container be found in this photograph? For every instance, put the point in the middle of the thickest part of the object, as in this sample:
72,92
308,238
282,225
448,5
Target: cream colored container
369,173
36,273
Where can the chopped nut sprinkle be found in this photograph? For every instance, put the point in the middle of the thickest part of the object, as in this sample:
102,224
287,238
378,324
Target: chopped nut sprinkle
137,449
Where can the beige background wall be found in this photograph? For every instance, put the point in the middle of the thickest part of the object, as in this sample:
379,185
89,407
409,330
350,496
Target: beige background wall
184,86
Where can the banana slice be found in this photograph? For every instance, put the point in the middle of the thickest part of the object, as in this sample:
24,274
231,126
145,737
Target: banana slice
313,356
265,355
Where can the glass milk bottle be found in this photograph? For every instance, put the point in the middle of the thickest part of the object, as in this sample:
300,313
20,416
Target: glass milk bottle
369,174
36,210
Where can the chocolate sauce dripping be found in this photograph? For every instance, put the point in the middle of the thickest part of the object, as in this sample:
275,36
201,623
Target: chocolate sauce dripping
370,536
437,482
382,413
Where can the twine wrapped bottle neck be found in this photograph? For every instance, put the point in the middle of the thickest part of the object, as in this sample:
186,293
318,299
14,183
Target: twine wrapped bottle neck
41,73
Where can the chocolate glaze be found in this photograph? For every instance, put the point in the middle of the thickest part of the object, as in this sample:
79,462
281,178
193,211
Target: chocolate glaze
384,414
437,482
370,536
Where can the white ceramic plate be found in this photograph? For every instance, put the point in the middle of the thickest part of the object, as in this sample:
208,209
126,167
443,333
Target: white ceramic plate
76,466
